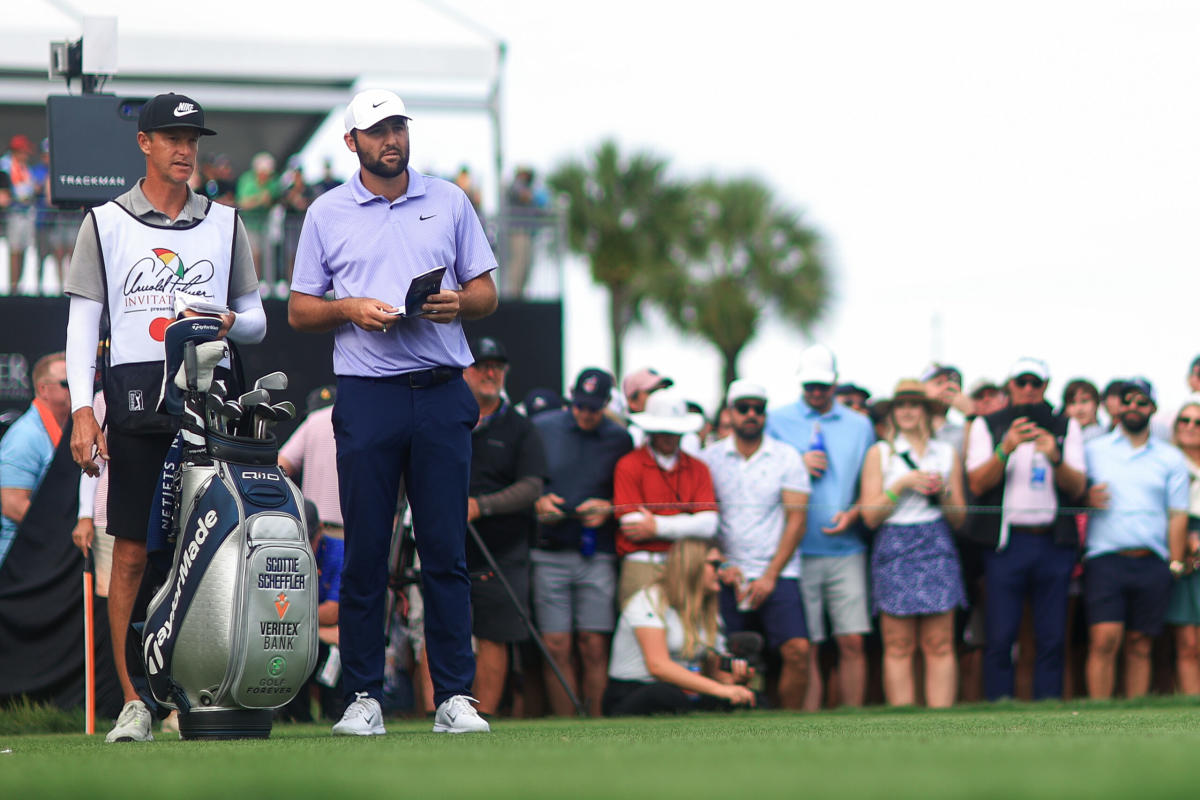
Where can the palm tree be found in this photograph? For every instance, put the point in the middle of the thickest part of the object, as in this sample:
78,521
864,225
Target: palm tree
627,218
747,256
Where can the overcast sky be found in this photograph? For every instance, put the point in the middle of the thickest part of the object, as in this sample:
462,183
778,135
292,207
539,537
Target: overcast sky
992,179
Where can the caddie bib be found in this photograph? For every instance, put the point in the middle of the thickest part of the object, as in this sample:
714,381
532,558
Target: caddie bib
143,266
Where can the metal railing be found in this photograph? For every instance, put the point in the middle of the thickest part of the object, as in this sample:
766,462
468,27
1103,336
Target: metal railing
530,248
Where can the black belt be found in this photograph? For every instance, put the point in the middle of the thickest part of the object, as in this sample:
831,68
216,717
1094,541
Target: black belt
423,378
1031,530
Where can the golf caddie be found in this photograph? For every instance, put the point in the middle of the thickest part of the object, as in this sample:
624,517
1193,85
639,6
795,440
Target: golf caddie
132,255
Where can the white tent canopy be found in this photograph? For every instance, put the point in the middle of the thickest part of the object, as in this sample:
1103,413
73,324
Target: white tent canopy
279,66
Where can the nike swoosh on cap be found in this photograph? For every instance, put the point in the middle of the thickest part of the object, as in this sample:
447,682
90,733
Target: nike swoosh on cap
377,105
179,113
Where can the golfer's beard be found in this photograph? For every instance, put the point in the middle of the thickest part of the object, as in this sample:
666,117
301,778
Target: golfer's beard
376,167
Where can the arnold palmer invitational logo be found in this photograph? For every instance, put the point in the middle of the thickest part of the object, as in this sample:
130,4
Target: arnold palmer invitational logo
153,280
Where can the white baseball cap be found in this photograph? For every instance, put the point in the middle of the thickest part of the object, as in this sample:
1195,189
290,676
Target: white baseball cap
372,105
817,365
742,389
1030,366
667,412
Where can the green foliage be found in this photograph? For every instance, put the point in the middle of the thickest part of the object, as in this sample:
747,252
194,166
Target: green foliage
26,717
747,257
716,256
626,217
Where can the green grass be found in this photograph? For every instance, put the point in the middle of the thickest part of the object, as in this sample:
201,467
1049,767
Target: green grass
1134,750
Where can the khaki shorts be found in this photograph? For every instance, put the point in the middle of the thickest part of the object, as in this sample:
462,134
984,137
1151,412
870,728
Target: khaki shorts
837,586
635,576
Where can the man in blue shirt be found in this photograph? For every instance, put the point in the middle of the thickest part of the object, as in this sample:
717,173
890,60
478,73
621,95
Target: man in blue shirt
833,441
1135,542
403,410
574,563
28,446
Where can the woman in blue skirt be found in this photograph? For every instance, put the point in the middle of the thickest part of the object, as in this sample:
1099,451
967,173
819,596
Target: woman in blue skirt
912,491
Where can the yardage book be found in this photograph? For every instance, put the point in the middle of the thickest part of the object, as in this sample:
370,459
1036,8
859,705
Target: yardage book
419,290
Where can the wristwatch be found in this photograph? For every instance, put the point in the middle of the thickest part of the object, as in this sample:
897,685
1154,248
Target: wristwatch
1176,568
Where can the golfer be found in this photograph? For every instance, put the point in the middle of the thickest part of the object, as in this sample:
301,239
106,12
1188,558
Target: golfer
402,409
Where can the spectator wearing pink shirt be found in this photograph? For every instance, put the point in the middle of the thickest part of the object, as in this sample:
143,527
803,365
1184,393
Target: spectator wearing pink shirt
1027,464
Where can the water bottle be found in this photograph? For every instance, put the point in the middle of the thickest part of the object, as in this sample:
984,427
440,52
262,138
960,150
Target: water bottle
587,542
1037,472
817,441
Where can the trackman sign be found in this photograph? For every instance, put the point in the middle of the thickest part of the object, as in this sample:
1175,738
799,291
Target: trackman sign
209,525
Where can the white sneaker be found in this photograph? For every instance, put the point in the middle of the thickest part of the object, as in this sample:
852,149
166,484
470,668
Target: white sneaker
457,715
133,725
363,717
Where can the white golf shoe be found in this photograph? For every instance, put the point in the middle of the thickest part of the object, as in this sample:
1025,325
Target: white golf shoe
457,715
133,724
363,717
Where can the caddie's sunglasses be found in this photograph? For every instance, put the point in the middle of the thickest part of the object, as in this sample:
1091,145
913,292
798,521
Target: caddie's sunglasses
1189,422
1028,382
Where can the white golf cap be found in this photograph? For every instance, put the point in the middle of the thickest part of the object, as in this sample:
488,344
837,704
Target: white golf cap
1030,366
817,365
742,389
372,105
667,412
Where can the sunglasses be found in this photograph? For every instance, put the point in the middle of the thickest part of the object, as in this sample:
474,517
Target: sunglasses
1188,422
1139,402
715,563
64,384
818,387
743,407
1028,382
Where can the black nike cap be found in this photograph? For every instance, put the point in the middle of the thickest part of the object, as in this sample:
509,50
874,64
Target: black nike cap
172,111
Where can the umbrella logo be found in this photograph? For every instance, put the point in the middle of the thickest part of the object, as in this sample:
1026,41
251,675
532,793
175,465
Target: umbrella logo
170,259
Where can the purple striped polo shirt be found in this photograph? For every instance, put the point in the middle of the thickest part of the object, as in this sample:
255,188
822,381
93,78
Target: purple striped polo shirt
360,245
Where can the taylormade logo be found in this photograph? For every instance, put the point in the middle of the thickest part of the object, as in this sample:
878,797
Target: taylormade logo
183,109
152,650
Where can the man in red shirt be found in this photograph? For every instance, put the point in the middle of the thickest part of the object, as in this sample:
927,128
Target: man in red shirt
660,493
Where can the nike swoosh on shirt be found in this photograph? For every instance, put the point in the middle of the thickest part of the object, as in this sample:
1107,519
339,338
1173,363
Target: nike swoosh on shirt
431,216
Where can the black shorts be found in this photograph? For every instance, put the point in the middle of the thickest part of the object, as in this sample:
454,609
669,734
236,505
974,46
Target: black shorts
134,466
493,615
1133,591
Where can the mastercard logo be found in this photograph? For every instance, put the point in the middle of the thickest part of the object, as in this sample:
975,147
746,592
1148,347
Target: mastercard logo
158,328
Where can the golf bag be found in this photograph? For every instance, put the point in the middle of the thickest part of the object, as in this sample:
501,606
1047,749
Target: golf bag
232,632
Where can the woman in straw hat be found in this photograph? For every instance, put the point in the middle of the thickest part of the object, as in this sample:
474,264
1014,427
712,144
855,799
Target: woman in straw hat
912,491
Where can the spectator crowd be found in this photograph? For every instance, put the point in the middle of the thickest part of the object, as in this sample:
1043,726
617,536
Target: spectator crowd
933,547
272,203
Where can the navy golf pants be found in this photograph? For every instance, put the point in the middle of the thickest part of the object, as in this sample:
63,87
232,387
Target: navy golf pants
1031,565
386,430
